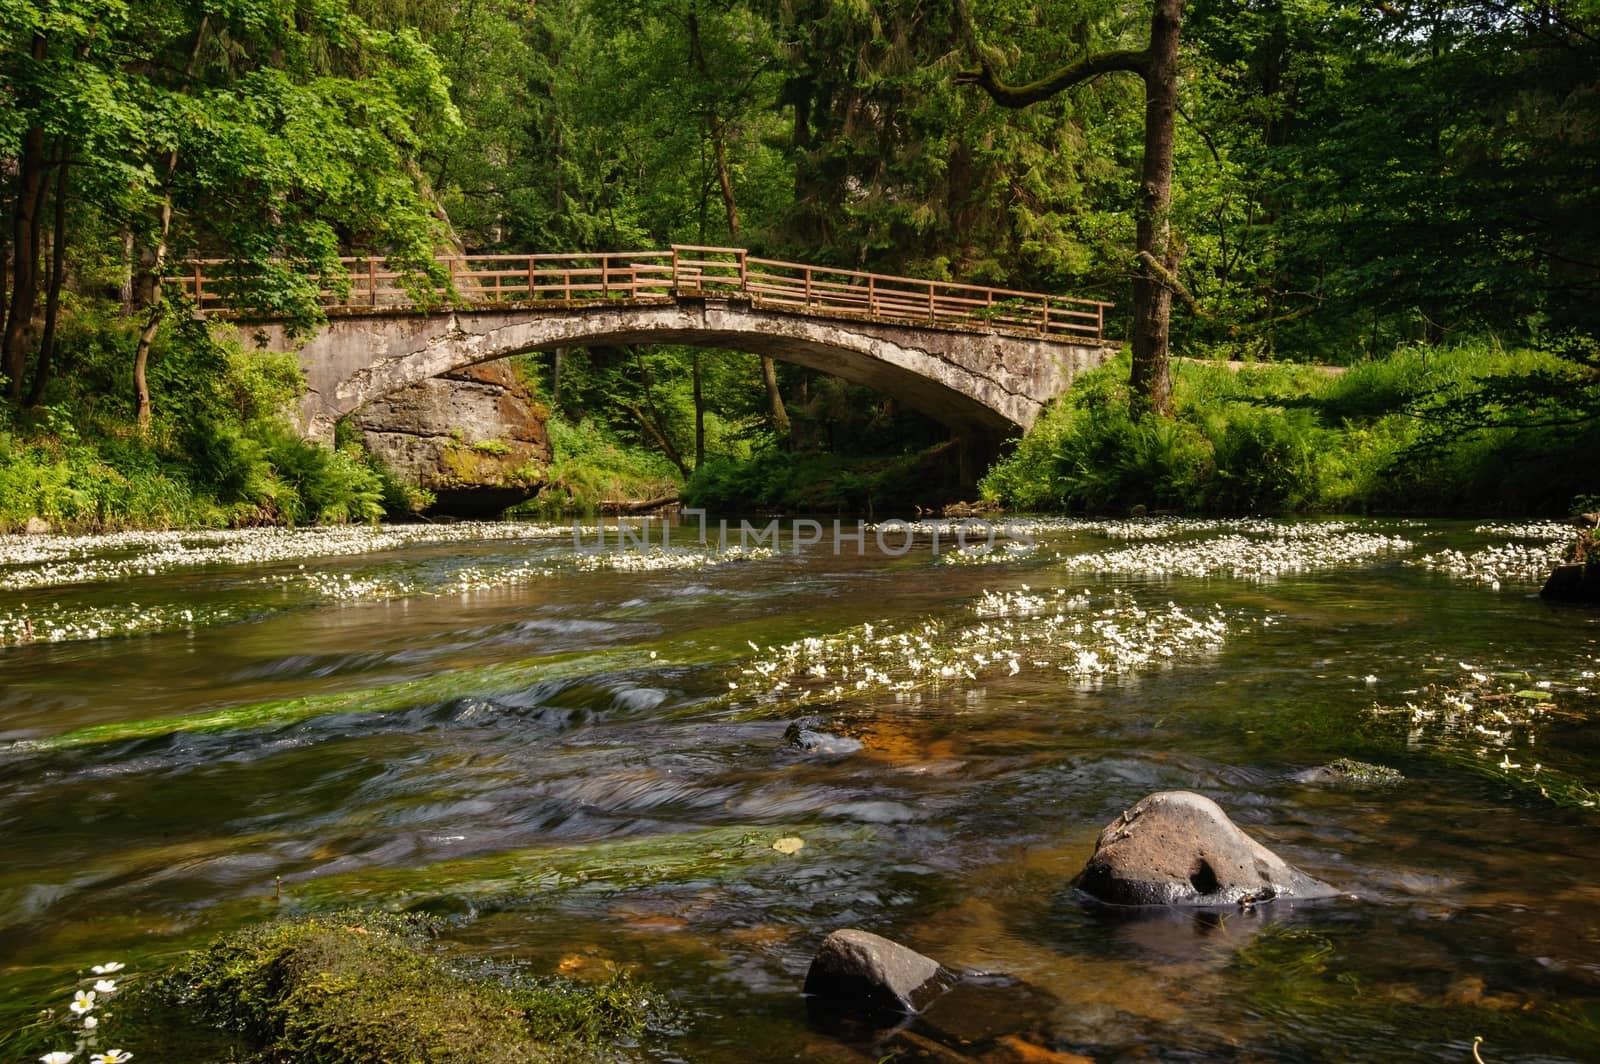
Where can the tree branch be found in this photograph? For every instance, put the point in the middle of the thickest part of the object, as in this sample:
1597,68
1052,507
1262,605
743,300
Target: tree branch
1085,69
1171,283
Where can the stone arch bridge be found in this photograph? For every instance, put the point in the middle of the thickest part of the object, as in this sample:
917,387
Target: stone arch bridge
984,361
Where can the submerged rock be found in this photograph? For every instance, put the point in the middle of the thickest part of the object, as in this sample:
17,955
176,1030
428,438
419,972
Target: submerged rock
1349,772
1180,848
806,734
867,973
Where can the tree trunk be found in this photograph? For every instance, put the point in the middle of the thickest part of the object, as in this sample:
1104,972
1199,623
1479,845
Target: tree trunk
25,253
1150,383
125,287
147,336
780,416
1150,389
699,416
58,272
152,325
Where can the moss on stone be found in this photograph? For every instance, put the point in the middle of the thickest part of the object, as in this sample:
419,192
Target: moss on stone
361,987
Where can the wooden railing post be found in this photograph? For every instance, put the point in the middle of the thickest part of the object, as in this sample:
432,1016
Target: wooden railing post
566,285
450,263
533,280
1044,325
1099,321
372,281
744,275
674,272
872,297
199,289
932,316
605,275
808,286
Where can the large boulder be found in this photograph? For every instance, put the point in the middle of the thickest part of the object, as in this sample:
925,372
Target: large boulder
1574,582
1180,848
474,438
866,973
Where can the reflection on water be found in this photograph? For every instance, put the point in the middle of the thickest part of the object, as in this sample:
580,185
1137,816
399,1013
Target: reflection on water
585,768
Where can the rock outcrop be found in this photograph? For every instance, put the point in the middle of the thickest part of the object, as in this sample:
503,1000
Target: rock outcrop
474,438
1180,848
1579,579
872,975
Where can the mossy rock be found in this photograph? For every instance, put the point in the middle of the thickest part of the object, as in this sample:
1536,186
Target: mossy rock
1349,772
328,990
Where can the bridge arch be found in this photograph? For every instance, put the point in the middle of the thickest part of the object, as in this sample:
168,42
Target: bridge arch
992,383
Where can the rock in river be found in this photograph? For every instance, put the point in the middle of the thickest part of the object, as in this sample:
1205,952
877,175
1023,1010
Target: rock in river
807,734
1180,848
1348,772
868,973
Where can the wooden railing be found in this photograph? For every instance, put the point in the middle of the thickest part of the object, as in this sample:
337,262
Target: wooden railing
584,278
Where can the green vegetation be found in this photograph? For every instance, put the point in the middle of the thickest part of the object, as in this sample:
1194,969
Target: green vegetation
1348,185
1262,438
358,986
591,465
218,453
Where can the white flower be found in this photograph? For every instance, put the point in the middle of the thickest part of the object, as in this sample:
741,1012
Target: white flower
57,1057
106,986
108,968
111,1056
82,1001
90,1023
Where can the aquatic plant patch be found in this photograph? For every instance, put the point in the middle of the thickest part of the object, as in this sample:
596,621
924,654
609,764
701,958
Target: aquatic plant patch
53,561
62,622
1004,633
1302,549
1497,723
1494,565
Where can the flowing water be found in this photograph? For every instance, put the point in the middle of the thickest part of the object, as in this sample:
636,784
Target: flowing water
583,760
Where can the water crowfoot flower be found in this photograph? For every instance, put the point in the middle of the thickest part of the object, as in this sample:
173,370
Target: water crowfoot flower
82,1001
108,968
111,1056
105,986
58,1057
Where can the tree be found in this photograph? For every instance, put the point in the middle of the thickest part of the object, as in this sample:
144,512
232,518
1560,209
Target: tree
1156,271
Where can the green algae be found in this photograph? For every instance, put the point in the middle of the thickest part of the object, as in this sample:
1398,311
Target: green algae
499,880
362,986
383,698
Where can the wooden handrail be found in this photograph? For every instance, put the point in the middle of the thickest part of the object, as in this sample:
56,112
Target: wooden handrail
572,278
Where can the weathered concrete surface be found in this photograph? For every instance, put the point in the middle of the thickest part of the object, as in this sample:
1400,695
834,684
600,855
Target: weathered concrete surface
987,384
471,437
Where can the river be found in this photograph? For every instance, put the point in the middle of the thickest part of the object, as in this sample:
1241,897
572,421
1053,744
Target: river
582,759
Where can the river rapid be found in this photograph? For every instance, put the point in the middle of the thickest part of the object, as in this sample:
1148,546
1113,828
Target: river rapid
581,758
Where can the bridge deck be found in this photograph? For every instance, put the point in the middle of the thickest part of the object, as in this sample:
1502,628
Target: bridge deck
559,280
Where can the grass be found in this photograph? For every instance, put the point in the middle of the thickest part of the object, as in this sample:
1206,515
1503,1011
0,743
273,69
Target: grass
1416,432
591,466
